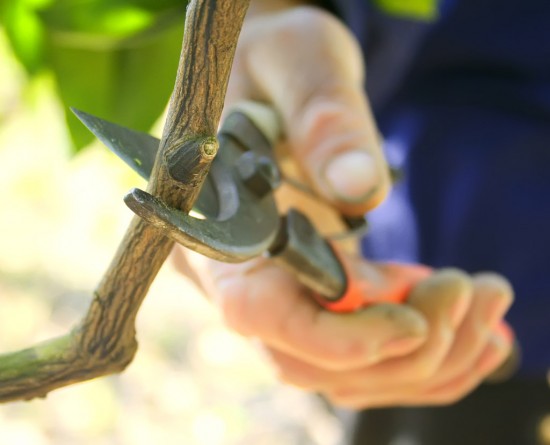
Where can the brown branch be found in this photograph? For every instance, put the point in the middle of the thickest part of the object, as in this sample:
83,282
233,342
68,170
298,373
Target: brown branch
104,342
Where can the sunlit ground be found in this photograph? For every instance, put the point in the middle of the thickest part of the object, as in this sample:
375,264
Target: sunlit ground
192,381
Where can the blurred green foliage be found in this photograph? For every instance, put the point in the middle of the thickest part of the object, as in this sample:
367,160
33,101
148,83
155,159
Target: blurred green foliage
113,58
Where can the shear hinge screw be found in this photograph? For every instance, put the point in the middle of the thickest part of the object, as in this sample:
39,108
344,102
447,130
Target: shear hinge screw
258,173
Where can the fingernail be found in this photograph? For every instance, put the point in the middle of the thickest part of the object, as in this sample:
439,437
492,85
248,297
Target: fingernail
351,176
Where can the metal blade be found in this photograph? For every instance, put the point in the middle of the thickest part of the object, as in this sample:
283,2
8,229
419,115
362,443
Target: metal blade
236,224
246,235
137,149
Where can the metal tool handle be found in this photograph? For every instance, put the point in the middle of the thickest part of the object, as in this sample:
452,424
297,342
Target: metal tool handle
263,116
338,284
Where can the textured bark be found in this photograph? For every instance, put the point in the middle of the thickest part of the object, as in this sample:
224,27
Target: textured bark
197,101
104,341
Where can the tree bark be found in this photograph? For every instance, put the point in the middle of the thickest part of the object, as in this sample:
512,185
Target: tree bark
104,341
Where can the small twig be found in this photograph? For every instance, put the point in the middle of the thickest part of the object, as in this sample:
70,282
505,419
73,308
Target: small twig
104,342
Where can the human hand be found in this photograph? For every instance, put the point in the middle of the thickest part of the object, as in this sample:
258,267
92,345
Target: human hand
308,66
434,349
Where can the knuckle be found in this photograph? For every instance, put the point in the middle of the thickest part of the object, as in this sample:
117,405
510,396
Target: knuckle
445,284
324,111
318,113
456,278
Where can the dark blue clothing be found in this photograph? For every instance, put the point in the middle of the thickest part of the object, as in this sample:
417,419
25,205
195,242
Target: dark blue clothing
464,104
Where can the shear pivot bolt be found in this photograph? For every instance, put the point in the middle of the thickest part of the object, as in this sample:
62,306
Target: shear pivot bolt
258,173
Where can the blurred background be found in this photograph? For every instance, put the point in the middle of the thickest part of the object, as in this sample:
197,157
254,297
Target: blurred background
62,216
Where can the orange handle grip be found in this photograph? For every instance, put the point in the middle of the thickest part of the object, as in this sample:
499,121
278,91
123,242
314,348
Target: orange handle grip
387,283
392,283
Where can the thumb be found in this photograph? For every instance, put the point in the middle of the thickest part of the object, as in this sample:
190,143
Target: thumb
317,86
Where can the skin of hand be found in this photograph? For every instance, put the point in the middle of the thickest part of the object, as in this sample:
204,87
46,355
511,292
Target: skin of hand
432,350
307,65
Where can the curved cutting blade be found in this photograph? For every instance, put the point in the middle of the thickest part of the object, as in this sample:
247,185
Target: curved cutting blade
236,225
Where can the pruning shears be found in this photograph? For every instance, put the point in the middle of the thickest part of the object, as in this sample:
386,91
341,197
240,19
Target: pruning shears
235,217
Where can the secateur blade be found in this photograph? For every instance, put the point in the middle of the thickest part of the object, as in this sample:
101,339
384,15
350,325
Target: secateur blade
231,223
240,219
135,148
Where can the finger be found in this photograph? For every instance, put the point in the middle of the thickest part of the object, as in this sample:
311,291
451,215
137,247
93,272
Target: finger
492,297
265,301
296,371
318,89
496,350
443,299
491,357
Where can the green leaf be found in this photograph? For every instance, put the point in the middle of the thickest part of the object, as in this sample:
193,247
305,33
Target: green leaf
108,18
116,59
130,86
25,31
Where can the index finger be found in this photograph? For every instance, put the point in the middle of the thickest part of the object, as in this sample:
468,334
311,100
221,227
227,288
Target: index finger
261,300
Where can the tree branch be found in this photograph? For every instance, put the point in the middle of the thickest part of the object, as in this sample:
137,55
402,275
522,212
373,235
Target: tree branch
104,341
